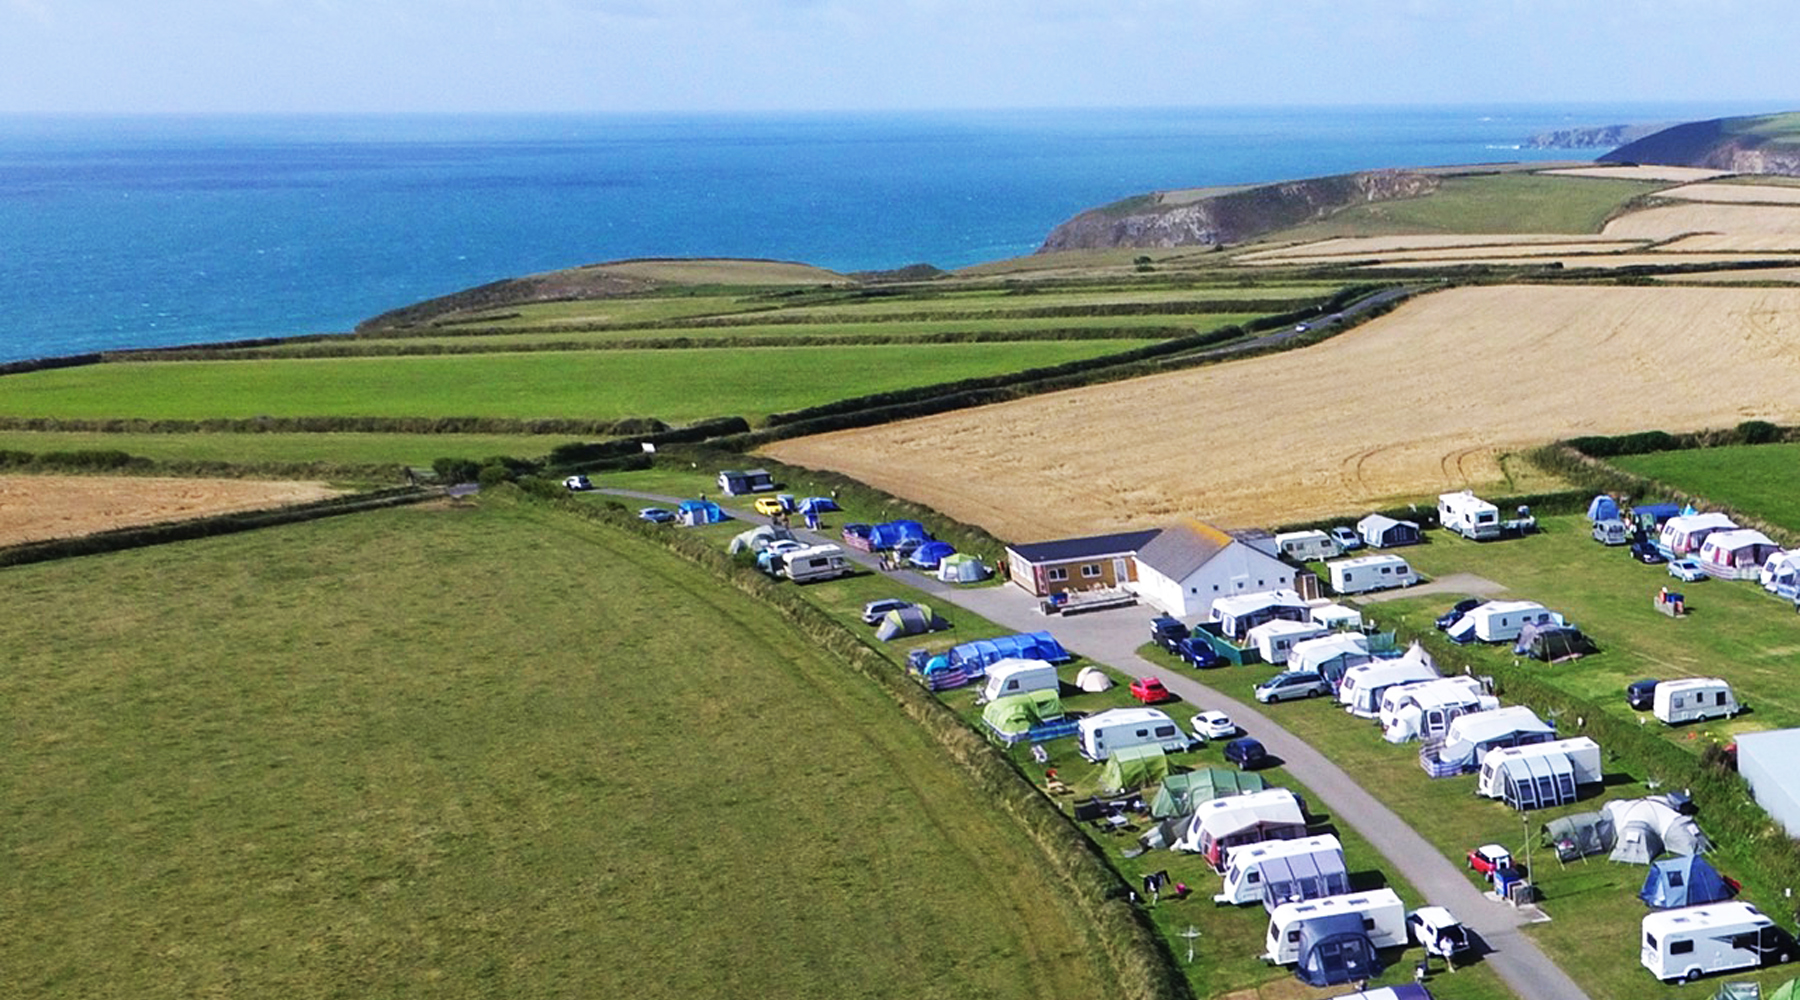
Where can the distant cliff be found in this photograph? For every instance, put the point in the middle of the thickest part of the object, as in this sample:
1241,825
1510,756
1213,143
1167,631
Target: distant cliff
1764,144
1179,219
1592,136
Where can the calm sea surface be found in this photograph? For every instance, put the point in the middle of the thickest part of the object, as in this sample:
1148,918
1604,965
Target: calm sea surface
144,231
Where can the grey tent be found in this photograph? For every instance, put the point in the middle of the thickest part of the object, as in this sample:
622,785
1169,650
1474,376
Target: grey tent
1180,793
1537,782
1647,828
1335,949
1296,877
758,538
1684,881
1579,835
915,619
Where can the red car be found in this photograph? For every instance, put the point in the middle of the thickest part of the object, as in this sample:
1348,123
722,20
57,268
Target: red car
1149,690
1489,857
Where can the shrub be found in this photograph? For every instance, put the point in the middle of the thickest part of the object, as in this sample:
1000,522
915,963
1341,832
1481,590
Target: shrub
455,470
1758,432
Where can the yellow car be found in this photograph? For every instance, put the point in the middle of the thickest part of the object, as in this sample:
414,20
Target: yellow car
769,506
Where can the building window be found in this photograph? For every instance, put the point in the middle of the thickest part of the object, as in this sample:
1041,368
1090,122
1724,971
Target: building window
1090,571
1056,574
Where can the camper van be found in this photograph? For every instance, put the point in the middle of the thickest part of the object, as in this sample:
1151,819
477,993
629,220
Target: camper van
1010,677
1362,687
1500,621
1611,532
1693,699
1307,546
818,562
1583,755
1383,917
1468,515
1246,875
1719,937
1274,640
1366,573
1115,729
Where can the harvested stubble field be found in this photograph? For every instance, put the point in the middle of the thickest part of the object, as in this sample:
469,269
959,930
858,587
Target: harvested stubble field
1682,175
1363,246
1523,251
1671,221
1422,400
1739,193
33,508
1615,260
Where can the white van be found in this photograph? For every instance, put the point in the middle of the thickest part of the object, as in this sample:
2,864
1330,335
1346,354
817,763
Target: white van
1384,919
1690,942
1119,728
817,562
1694,699
1308,546
1366,573
1244,864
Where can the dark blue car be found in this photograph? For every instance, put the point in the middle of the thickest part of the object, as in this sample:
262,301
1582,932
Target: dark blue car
1246,753
1197,652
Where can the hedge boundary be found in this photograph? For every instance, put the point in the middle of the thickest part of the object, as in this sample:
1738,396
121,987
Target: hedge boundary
649,426
1140,960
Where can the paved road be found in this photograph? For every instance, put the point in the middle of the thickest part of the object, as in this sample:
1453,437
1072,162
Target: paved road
1113,637
1288,333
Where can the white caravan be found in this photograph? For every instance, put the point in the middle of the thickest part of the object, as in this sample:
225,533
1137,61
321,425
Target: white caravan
1014,676
1244,876
1500,621
1275,640
1780,574
1383,915
1468,515
1583,755
817,562
1366,573
1683,535
1362,687
1308,546
1120,728
1692,941
1693,699
1424,711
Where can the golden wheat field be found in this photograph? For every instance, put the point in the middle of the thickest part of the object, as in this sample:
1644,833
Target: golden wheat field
33,508
1672,221
1741,193
1524,251
1790,275
1368,246
1414,403
1680,175
1649,259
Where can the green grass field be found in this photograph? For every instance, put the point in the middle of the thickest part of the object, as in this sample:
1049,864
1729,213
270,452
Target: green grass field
1497,203
1754,478
674,385
480,750
345,448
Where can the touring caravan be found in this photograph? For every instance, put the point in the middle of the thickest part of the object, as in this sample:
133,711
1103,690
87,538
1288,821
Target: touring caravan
1780,574
1014,676
1274,640
1542,774
1330,656
1366,573
1383,919
1307,546
1239,613
1683,535
1693,699
1468,515
1248,868
1220,824
1424,711
1719,937
1471,737
1737,554
1361,689
1118,728
1500,621
818,562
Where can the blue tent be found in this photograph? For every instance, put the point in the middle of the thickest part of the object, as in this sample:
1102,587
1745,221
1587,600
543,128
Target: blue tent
975,657
692,512
894,534
927,556
1603,508
1687,880
1654,514
1334,950
818,505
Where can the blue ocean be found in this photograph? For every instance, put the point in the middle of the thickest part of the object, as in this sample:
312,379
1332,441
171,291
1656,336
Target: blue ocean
150,231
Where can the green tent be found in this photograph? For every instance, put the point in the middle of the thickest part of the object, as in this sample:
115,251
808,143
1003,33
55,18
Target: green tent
1010,717
1789,990
1180,793
1133,767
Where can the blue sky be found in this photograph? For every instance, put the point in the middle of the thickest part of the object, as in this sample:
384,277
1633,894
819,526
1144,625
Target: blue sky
748,55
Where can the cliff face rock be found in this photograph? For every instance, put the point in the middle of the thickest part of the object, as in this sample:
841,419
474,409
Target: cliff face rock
1592,136
1166,220
1760,145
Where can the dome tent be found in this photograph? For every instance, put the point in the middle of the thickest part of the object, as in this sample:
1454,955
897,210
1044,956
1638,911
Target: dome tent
1683,881
962,568
1092,679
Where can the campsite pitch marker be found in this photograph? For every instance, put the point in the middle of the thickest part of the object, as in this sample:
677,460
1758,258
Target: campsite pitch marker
1191,933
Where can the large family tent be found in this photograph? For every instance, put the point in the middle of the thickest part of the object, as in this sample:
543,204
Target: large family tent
817,505
758,538
1406,991
1647,828
970,660
1335,949
1013,717
1789,990
1312,875
1683,881
1603,508
1133,767
1093,680
1180,793
928,555
960,567
1471,736
897,534
1538,781
695,512
1550,642
914,619
1578,835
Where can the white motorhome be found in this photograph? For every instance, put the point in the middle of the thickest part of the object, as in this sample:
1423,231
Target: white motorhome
1424,711
1275,640
1692,941
1362,687
1468,515
1682,536
1244,877
1383,916
1693,699
1366,573
1583,755
1014,676
1099,735
1500,621
1307,546
817,562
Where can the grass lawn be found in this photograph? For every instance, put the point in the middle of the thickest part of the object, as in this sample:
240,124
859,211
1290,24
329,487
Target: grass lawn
459,751
674,385
1755,478
346,448
1495,203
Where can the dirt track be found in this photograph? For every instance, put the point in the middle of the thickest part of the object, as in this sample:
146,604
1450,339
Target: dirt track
33,508
1414,403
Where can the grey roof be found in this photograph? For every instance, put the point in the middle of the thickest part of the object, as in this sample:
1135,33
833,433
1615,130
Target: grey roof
1384,522
1064,549
1184,548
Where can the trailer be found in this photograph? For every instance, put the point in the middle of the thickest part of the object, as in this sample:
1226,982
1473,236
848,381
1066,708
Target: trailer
1425,710
1682,536
1098,736
1383,918
1272,872
1500,621
1362,687
1719,937
1780,574
1468,515
818,562
1365,573
1694,699
1541,774
1307,546
1274,640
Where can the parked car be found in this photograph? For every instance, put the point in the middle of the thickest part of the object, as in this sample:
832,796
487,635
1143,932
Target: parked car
1213,726
1440,933
1300,327
1246,753
1197,652
1347,538
656,515
768,506
1644,551
1641,694
1687,570
782,546
577,484
1168,632
1490,858
1460,608
875,611
1149,690
1290,685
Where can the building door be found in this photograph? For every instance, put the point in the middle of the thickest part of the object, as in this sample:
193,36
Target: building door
1121,571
